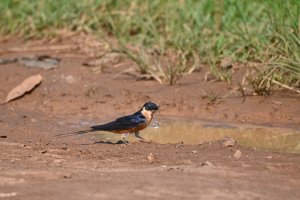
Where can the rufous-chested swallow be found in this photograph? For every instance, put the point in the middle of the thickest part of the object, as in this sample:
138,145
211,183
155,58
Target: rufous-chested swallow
127,124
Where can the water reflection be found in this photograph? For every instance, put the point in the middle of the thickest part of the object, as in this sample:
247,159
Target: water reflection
273,139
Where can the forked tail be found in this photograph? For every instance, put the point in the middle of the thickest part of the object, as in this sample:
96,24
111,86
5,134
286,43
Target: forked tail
75,133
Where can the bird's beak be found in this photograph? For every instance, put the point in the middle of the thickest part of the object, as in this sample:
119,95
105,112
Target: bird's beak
154,111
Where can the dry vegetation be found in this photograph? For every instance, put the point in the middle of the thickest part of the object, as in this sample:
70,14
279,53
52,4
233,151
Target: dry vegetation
168,39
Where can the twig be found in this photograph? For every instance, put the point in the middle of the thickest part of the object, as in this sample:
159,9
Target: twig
285,86
267,77
37,48
157,78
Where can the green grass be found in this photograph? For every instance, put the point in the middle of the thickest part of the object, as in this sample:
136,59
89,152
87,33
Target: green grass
183,33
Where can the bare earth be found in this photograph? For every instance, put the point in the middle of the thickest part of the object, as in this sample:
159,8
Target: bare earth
36,165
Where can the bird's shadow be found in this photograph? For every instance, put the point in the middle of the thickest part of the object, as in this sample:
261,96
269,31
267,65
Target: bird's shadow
107,142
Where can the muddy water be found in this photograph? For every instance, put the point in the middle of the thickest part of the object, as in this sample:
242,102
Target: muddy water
264,138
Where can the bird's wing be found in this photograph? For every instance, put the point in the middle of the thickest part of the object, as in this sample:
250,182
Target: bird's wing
126,122
121,123
132,120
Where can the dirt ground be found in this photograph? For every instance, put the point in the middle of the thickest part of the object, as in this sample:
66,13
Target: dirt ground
36,165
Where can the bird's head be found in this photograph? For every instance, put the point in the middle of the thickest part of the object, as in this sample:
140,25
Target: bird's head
148,110
151,107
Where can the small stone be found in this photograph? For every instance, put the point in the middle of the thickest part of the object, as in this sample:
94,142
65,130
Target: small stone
151,158
68,175
84,107
58,161
237,154
43,151
70,79
194,152
33,120
206,163
228,142
180,145
269,157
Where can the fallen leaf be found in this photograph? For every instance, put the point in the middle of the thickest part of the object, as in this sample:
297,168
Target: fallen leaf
26,86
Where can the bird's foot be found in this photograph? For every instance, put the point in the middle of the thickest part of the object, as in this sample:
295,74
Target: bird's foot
125,142
141,139
124,136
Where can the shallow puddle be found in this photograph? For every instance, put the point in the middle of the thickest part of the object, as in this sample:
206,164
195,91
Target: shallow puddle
265,138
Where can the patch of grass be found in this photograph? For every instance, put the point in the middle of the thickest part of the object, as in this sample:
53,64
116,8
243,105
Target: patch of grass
165,67
184,32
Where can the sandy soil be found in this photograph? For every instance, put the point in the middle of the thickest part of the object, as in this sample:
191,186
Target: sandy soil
35,165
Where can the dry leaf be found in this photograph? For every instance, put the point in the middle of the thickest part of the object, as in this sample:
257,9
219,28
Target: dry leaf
26,86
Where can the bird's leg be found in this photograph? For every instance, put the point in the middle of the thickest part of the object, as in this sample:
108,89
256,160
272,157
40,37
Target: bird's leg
124,136
137,134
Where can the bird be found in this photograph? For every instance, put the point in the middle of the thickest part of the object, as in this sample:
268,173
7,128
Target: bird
127,124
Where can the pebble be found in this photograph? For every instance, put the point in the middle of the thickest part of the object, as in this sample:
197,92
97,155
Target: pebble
228,142
269,157
237,154
206,163
84,107
43,151
58,161
70,79
68,175
181,144
151,158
